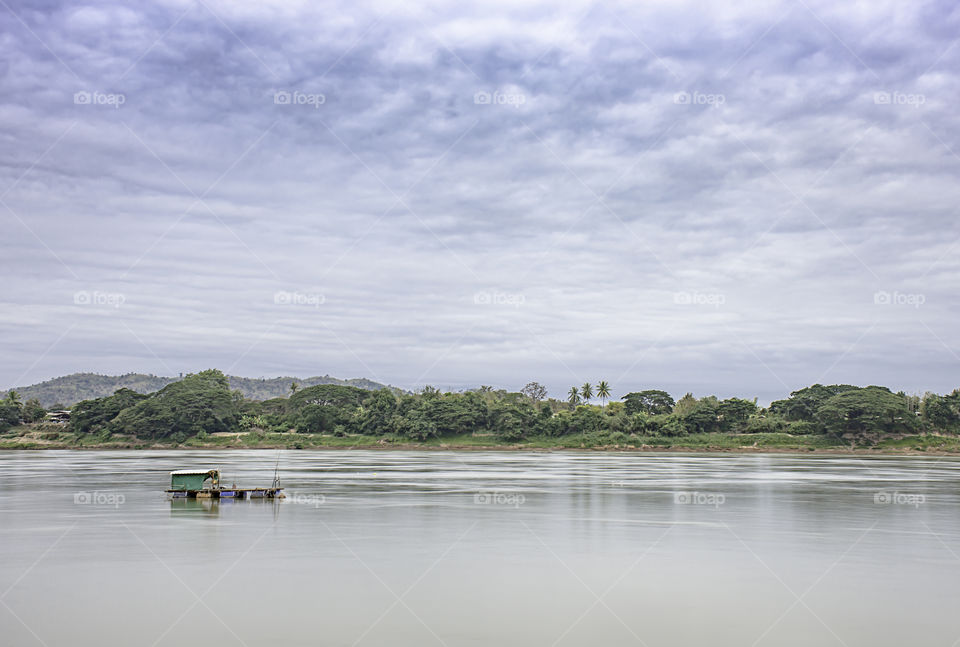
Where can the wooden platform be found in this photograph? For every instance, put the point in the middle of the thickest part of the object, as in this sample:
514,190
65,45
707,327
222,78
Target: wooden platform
229,493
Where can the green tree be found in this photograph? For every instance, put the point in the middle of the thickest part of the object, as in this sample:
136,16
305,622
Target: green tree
378,410
511,423
665,424
200,401
585,420
428,391
734,412
9,415
702,417
414,424
535,391
603,392
651,402
33,411
942,411
803,403
456,413
685,405
335,395
586,392
315,419
92,416
866,414
10,410
573,396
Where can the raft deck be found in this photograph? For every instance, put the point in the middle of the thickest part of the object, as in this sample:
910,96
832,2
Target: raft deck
230,493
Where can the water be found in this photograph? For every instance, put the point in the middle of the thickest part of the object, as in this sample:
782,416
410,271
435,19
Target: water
481,548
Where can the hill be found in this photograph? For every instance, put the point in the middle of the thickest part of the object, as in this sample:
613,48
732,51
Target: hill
70,389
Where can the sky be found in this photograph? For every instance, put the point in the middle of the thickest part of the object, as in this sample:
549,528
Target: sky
733,199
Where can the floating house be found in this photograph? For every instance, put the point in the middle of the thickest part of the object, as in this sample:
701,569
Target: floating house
205,484
194,480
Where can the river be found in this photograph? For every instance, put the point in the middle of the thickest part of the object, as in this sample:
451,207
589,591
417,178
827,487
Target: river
481,548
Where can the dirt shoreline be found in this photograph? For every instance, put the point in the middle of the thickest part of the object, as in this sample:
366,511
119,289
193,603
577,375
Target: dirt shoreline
863,451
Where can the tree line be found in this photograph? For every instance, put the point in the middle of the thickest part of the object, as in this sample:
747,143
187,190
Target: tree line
203,403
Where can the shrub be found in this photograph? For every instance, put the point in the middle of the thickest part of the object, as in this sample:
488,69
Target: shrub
764,425
803,427
666,425
618,437
510,434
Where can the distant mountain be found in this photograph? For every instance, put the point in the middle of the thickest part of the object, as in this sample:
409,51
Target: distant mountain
70,389
279,387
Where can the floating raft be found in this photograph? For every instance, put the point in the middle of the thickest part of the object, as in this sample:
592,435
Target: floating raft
193,484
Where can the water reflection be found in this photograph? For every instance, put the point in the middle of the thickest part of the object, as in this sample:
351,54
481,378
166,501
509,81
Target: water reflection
184,507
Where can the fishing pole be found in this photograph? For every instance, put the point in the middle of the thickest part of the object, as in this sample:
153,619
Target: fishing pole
276,471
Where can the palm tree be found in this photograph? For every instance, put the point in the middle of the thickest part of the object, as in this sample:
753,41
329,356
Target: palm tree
13,398
573,396
603,392
586,392
293,388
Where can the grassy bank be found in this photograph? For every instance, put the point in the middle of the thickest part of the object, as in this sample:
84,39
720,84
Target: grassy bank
55,437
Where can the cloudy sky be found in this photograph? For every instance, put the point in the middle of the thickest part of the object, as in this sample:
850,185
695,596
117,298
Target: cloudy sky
740,199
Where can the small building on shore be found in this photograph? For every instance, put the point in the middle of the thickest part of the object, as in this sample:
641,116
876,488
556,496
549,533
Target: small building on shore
58,417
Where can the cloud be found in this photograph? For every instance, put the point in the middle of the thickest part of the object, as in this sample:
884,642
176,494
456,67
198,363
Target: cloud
666,195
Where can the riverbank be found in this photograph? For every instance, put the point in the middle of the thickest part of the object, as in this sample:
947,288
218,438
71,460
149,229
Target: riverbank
44,437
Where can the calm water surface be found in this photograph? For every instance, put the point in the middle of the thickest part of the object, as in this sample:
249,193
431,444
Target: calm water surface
481,548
